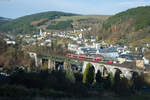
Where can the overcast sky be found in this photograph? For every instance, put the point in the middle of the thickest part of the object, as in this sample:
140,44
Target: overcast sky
18,8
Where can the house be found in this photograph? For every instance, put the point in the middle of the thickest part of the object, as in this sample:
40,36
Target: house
74,37
48,40
40,38
91,51
148,44
89,29
123,50
110,53
27,36
88,51
55,34
72,47
35,36
126,58
93,39
80,51
140,49
97,45
130,58
42,43
80,36
46,43
79,41
146,61
120,50
85,40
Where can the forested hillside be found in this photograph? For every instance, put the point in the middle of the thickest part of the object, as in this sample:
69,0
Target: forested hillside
28,24
11,55
129,26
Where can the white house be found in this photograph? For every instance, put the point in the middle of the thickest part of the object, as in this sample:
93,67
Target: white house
85,40
97,45
146,61
93,40
9,42
80,35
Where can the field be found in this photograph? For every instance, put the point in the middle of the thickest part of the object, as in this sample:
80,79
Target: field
76,18
82,19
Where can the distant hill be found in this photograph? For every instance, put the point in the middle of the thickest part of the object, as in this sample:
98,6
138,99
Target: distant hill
50,21
131,26
4,20
28,24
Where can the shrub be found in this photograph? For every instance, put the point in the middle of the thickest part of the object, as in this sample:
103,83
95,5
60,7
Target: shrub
70,75
13,91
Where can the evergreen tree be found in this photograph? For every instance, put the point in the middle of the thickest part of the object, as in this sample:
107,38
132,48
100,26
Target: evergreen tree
88,76
117,81
137,82
111,79
108,81
98,77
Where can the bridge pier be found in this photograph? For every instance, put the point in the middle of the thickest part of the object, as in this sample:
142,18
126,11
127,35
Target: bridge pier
66,65
51,64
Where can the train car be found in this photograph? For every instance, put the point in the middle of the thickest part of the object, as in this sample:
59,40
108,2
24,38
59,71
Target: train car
75,56
98,59
107,61
89,58
82,57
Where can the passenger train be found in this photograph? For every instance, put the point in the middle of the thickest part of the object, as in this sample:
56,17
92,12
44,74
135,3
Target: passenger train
96,59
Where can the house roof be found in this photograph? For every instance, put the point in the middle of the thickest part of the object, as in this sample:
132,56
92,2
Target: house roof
107,50
130,56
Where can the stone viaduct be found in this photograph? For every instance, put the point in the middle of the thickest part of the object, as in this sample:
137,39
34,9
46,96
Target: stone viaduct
55,63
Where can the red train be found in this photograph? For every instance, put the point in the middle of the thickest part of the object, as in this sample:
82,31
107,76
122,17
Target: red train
89,58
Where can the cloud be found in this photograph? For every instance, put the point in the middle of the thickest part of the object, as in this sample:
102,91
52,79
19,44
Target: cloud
136,3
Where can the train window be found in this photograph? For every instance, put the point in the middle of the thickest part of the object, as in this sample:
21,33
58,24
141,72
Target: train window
81,57
88,58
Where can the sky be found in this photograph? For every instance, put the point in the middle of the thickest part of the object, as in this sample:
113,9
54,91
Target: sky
17,8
